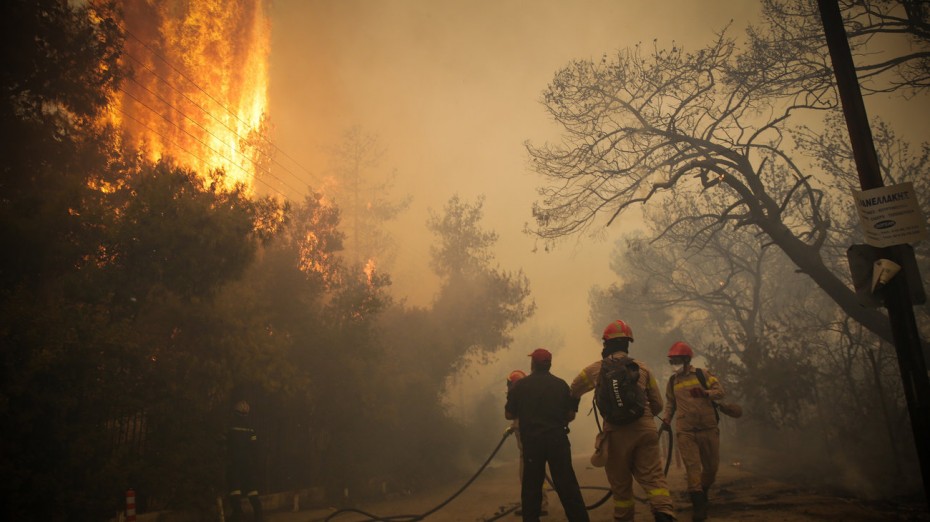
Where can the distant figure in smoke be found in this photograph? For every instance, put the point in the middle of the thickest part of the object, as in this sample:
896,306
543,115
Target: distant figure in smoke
542,405
242,463
515,376
633,448
690,393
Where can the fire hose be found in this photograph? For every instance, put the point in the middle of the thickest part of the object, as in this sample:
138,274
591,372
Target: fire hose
504,511
668,457
411,518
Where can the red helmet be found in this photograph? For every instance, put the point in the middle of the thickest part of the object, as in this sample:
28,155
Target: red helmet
679,349
618,330
516,375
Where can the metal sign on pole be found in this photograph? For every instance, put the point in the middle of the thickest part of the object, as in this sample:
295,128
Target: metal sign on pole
897,298
890,215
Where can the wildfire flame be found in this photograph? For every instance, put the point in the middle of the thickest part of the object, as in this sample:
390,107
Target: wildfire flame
199,92
369,270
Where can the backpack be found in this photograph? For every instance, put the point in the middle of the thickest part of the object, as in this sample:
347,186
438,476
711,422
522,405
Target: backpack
617,394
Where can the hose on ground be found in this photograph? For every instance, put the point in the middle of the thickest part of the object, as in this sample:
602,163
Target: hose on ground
413,518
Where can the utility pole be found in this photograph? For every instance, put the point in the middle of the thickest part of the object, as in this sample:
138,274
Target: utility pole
897,299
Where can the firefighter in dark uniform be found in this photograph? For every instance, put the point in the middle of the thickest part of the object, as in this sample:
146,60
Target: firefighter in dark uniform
242,463
542,404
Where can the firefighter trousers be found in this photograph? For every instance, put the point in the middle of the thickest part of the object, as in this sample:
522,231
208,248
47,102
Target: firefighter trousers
700,451
555,449
545,496
633,453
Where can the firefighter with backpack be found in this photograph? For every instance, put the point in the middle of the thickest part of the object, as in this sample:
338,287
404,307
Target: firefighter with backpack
691,393
628,397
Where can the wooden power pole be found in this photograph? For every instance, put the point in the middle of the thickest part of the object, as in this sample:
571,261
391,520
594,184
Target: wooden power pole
897,299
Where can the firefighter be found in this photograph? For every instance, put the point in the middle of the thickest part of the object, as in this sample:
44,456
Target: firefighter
632,449
696,423
242,463
515,376
542,405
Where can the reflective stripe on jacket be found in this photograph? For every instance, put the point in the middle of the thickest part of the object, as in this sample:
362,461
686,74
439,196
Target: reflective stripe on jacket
692,413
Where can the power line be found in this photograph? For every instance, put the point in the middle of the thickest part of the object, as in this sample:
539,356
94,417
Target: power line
220,154
205,111
204,91
178,145
195,122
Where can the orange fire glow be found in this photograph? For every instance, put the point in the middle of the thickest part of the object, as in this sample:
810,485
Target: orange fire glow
369,270
199,91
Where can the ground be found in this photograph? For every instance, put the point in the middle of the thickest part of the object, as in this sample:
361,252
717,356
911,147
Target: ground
739,495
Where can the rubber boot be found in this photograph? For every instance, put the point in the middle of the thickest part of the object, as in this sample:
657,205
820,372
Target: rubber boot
699,502
664,517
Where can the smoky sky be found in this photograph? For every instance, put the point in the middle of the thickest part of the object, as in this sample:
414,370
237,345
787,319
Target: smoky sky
453,89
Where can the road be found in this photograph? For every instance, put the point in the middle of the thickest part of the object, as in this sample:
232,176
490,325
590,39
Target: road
738,496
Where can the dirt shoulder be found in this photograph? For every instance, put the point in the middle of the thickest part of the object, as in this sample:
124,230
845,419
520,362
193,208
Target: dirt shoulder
738,496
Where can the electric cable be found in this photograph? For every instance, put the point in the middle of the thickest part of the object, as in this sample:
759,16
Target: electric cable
208,113
181,147
197,123
204,91
220,154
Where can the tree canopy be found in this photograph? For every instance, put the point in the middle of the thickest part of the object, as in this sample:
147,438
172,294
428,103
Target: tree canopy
141,300
648,125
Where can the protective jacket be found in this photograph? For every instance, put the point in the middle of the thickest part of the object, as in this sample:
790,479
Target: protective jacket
692,411
698,434
632,449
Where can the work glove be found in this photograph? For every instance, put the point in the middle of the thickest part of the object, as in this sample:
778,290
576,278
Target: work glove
698,392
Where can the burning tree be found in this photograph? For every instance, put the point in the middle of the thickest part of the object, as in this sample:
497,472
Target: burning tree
198,88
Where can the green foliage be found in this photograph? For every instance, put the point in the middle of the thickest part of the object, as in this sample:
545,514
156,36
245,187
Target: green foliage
126,333
364,195
462,247
60,69
140,301
477,305
185,239
473,314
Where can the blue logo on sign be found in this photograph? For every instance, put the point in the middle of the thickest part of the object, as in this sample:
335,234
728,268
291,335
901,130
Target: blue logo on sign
887,223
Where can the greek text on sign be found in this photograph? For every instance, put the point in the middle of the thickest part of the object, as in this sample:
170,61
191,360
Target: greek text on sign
890,215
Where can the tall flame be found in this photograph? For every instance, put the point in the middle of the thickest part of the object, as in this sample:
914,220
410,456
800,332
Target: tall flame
199,92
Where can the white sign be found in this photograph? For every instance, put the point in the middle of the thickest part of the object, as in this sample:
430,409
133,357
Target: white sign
890,215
